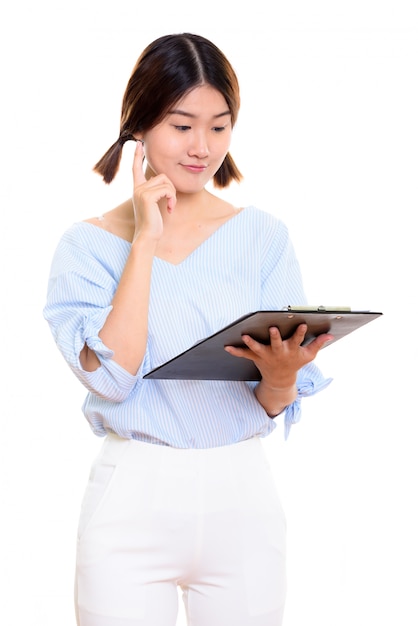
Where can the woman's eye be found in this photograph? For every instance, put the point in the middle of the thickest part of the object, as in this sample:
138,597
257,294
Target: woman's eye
182,128
219,129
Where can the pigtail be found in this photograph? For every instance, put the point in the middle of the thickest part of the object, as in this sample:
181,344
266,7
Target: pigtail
227,173
108,165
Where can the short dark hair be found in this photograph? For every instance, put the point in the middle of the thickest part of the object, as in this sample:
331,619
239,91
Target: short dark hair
168,68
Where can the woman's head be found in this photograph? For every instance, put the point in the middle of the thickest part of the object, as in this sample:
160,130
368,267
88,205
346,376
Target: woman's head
168,69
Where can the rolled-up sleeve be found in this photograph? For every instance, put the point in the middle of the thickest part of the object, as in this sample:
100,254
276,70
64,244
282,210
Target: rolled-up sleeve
79,295
310,381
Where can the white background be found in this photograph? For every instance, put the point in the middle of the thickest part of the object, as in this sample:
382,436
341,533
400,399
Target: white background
327,140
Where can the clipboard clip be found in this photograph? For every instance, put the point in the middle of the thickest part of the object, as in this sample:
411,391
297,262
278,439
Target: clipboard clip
318,309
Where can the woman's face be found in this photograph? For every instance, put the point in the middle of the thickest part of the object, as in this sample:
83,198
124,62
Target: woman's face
191,142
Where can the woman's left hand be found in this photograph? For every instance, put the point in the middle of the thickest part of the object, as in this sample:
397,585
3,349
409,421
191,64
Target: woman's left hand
280,361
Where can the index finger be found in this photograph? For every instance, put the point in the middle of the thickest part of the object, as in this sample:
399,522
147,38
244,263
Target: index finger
137,168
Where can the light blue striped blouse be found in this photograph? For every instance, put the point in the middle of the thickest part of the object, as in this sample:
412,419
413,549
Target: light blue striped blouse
246,265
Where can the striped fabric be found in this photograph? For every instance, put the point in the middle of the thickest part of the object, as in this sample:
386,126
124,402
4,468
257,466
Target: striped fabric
246,265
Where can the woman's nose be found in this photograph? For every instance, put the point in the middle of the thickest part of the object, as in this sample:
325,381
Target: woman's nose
199,146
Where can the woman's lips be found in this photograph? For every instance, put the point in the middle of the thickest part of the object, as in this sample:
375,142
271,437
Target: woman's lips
197,169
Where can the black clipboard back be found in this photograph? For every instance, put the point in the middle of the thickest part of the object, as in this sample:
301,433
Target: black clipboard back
207,359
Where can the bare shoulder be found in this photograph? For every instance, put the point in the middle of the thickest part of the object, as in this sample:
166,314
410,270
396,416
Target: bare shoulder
118,221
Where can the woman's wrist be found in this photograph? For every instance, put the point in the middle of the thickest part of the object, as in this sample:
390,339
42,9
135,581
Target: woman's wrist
275,399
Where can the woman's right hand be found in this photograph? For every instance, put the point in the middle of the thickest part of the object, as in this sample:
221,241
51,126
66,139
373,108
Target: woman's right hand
147,196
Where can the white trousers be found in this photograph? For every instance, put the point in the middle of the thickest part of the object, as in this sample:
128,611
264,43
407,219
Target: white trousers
154,518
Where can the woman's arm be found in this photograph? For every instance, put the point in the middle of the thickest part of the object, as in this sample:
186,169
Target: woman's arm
126,328
274,400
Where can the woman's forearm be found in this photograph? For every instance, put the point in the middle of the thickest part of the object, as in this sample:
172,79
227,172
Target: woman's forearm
126,328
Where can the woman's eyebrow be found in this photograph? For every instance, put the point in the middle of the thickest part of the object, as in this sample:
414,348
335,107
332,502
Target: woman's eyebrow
193,116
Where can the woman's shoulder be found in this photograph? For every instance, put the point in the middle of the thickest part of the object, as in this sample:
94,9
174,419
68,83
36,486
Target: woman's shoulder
108,227
118,221
261,218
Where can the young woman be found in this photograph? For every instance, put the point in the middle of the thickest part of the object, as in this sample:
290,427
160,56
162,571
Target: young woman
180,494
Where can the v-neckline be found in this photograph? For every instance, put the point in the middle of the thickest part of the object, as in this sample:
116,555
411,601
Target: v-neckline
202,243
189,255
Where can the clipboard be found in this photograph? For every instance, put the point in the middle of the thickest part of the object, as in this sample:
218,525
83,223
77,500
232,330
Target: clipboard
207,359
